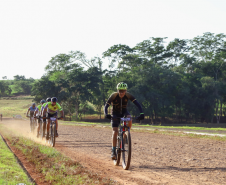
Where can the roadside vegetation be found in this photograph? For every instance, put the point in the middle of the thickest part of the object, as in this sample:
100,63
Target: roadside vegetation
11,106
55,167
11,172
182,80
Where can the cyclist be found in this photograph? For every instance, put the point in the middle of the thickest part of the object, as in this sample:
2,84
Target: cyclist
38,111
44,119
119,102
32,110
51,109
1,116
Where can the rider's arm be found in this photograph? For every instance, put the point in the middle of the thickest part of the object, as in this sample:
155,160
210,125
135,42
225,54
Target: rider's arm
138,105
108,103
60,109
44,110
36,111
133,99
28,111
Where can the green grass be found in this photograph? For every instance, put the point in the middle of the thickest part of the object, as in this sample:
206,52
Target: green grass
57,168
15,106
183,127
10,171
142,126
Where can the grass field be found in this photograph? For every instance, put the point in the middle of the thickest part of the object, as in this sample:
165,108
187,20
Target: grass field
15,106
10,171
57,168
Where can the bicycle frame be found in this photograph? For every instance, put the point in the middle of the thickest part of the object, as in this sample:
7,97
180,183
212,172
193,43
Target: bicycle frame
121,145
122,129
52,138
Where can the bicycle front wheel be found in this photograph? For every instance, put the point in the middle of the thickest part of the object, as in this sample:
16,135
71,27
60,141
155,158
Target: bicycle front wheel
126,150
118,152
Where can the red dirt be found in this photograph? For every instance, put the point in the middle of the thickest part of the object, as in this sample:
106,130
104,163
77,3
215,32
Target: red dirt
156,159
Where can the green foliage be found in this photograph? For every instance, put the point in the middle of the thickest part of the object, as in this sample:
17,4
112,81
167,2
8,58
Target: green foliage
184,78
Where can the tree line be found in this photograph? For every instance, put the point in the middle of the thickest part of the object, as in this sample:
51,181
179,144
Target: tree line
182,79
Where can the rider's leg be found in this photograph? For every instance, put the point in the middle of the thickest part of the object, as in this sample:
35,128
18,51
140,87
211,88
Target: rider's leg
114,137
44,126
48,125
114,123
38,125
56,128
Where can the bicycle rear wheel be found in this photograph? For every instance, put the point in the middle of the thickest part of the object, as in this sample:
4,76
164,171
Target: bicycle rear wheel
53,135
118,152
126,150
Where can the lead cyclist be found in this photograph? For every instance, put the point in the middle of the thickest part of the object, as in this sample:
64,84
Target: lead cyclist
119,102
51,108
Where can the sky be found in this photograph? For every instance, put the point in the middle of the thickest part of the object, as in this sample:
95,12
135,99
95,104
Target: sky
33,31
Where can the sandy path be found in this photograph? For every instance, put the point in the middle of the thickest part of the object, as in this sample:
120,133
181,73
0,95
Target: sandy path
156,158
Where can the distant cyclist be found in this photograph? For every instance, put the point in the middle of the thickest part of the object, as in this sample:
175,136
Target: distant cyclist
119,102
51,108
32,110
38,111
1,116
44,116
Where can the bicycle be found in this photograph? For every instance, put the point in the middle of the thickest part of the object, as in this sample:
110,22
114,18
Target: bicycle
52,135
123,145
32,124
40,133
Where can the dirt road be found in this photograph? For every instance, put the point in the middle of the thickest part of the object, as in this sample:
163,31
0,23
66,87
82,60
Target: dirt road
156,159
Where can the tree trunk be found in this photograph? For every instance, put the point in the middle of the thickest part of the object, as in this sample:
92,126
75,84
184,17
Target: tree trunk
217,117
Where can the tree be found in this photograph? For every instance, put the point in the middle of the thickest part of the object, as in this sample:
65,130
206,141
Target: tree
209,51
5,90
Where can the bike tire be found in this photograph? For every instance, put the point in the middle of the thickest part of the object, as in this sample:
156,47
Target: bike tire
43,129
40,129
126,150
53,135
33,127
118,152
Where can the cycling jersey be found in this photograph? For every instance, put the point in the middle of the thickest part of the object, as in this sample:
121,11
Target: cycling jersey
43,106
39,109
120,104
32,110
52,109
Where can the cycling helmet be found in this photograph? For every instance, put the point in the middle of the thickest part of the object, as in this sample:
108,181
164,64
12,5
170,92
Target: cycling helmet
42,101
122,86
48,99
53,99
33,104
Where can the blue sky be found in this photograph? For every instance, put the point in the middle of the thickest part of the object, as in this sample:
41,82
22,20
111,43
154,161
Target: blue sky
31,32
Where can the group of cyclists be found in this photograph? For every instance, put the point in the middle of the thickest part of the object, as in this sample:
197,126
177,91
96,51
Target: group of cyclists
47,108
117,99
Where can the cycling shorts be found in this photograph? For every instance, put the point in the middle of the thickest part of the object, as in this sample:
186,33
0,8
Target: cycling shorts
115,121
52,115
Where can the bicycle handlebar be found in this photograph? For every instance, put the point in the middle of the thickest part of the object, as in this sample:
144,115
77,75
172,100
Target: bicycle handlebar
126,118
51,117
